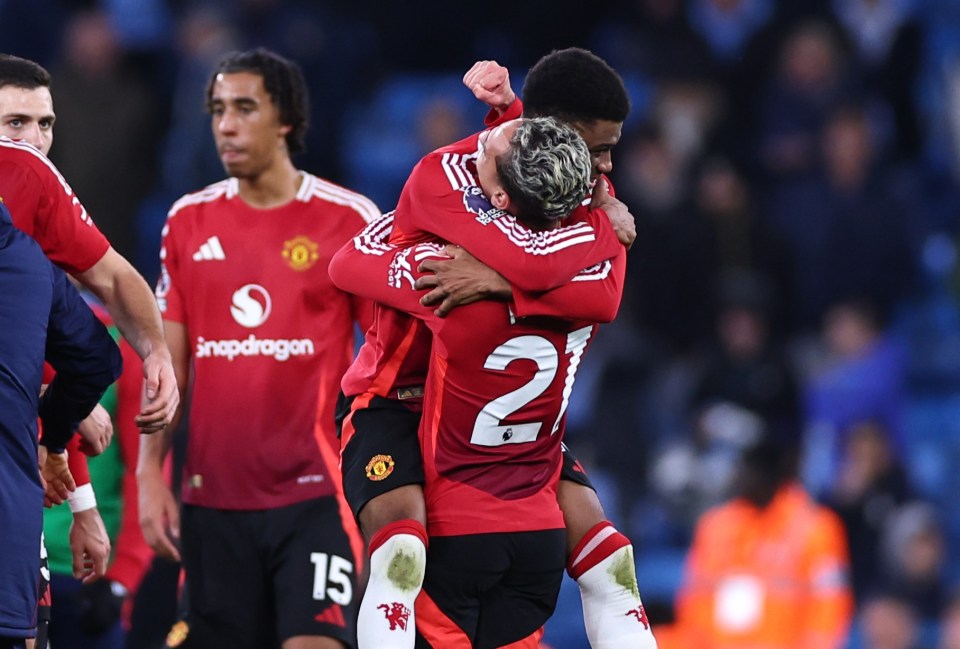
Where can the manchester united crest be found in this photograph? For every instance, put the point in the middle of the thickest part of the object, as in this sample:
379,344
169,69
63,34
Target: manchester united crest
300,252
379,467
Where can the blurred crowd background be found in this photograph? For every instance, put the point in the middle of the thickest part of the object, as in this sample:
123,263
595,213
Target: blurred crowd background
793,169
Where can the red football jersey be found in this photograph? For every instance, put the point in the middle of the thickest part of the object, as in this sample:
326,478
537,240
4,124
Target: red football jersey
270,337
43,205
497,390
442,199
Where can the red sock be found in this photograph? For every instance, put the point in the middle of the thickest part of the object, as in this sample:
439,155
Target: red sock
597,544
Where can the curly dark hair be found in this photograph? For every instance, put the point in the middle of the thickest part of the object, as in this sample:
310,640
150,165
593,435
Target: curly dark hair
284,83
22,73
575,85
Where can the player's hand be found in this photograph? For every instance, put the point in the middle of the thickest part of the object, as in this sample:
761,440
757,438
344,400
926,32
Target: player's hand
56,477
96,431
616,210
159,514
160,396
490,83
89,545
462,279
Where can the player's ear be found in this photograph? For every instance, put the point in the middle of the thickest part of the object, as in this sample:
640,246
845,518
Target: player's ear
499,199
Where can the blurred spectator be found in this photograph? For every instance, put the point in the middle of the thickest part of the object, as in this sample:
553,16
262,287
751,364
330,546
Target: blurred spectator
809,81
867,491
186,159
950,624
914,557
203,35
654,38
887,45
106,127
768,569
666,264
873,242
746,369
744,390
889,621
862,379
31,28
440,122
728,25
738,240
851,227
338,54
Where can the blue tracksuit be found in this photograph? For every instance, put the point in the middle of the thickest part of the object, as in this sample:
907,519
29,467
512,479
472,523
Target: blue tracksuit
41,316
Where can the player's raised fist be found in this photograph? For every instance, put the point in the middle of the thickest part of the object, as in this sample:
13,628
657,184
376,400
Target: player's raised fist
490,83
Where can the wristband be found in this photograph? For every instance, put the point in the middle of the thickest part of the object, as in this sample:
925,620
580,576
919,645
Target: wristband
82,498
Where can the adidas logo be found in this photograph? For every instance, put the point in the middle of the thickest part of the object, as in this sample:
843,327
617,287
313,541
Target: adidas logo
210,251
333,615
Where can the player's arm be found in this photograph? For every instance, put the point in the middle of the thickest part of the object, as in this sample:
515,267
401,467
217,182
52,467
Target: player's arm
69,238
130,302
131,554
594,295
490,83
86,359
370,268
530,261
159,513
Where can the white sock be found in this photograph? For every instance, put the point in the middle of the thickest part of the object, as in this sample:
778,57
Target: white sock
613,614
397,563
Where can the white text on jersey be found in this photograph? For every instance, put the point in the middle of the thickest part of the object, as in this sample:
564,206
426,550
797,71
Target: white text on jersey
280,349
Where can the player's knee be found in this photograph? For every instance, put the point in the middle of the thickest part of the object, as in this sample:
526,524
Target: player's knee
399,504
402,560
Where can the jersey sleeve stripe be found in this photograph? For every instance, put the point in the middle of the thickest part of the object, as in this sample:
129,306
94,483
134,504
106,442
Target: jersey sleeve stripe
208,194
455,167
372,239
448,170
537,243
595,273
32,150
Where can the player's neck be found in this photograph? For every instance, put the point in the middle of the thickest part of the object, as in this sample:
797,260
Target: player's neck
275,186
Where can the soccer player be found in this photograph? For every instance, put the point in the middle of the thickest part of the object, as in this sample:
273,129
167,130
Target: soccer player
498,386
43,205
270,551
576,86
583,90
42,316
70,239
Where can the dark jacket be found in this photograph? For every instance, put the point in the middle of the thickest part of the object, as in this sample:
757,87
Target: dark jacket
41,317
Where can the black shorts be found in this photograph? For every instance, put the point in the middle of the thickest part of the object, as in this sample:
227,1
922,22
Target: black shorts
380,449
495,589
257,578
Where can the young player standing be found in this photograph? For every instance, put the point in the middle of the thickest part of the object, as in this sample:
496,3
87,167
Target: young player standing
271,556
